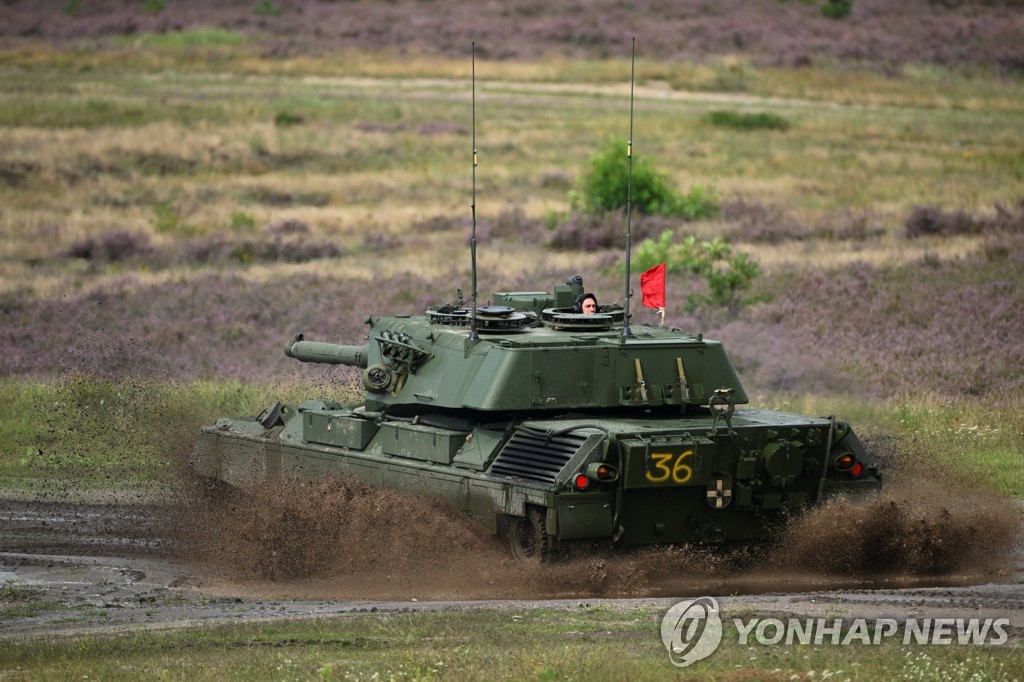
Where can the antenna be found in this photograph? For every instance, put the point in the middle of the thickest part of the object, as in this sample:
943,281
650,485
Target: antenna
626,331
472,242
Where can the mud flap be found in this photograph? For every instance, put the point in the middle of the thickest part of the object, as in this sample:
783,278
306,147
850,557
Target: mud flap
589,517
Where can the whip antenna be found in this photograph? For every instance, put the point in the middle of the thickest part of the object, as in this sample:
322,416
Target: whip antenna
629,193
472,242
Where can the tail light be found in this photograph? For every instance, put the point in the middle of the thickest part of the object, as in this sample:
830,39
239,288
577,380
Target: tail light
602,472
848,463
595,471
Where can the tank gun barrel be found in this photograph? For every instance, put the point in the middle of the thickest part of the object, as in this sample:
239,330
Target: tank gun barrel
327,353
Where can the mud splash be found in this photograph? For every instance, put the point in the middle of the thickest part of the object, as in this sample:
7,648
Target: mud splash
343,538
917,526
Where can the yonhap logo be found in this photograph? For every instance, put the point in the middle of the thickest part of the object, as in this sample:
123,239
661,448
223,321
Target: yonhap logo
691,630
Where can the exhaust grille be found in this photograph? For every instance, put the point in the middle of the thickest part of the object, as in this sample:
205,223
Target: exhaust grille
536,456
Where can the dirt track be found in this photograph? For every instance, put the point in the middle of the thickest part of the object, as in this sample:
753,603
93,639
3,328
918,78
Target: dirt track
74,568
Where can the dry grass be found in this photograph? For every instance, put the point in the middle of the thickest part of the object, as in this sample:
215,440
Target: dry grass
886,252
384,143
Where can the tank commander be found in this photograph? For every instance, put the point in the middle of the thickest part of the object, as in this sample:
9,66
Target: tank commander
586,304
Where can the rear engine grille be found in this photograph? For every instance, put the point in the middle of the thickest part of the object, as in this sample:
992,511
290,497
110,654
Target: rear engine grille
536,456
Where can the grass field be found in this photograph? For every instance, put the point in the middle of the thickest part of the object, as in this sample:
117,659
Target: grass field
587,643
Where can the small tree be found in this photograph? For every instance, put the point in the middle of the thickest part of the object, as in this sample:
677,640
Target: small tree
725,274
604,187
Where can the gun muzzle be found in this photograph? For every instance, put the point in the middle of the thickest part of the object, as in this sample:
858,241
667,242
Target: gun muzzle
327,353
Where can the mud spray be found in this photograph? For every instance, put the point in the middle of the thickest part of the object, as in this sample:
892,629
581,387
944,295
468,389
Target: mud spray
342,538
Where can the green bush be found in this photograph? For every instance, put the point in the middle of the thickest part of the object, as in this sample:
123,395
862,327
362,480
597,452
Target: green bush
266,8
837,9
154,6
740,121
286,119
833,9
726,274
605,187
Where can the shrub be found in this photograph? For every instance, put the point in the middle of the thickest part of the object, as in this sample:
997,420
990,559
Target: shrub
837,9
380,241
286,119
111,247
282,247
605,187
512,223
931,221
740,121
762,223
588,231
266,8
853,225
1007,218
269,196
726,274
596,231
926,221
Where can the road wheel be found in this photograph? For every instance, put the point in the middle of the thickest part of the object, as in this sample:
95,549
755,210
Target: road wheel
527,536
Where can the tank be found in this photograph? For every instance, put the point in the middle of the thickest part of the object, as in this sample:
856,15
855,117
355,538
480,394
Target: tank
550,427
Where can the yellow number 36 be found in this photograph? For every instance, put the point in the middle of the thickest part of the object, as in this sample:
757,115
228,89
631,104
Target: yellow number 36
668,466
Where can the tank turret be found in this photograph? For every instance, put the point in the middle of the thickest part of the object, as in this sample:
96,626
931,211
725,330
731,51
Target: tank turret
523,362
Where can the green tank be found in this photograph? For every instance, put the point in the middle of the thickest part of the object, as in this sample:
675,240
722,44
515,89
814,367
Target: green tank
549,427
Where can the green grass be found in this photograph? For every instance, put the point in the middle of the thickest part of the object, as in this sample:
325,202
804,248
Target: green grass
183,40
984,441
111,435
579,644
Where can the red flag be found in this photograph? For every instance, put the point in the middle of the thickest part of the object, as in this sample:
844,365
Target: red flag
652,287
